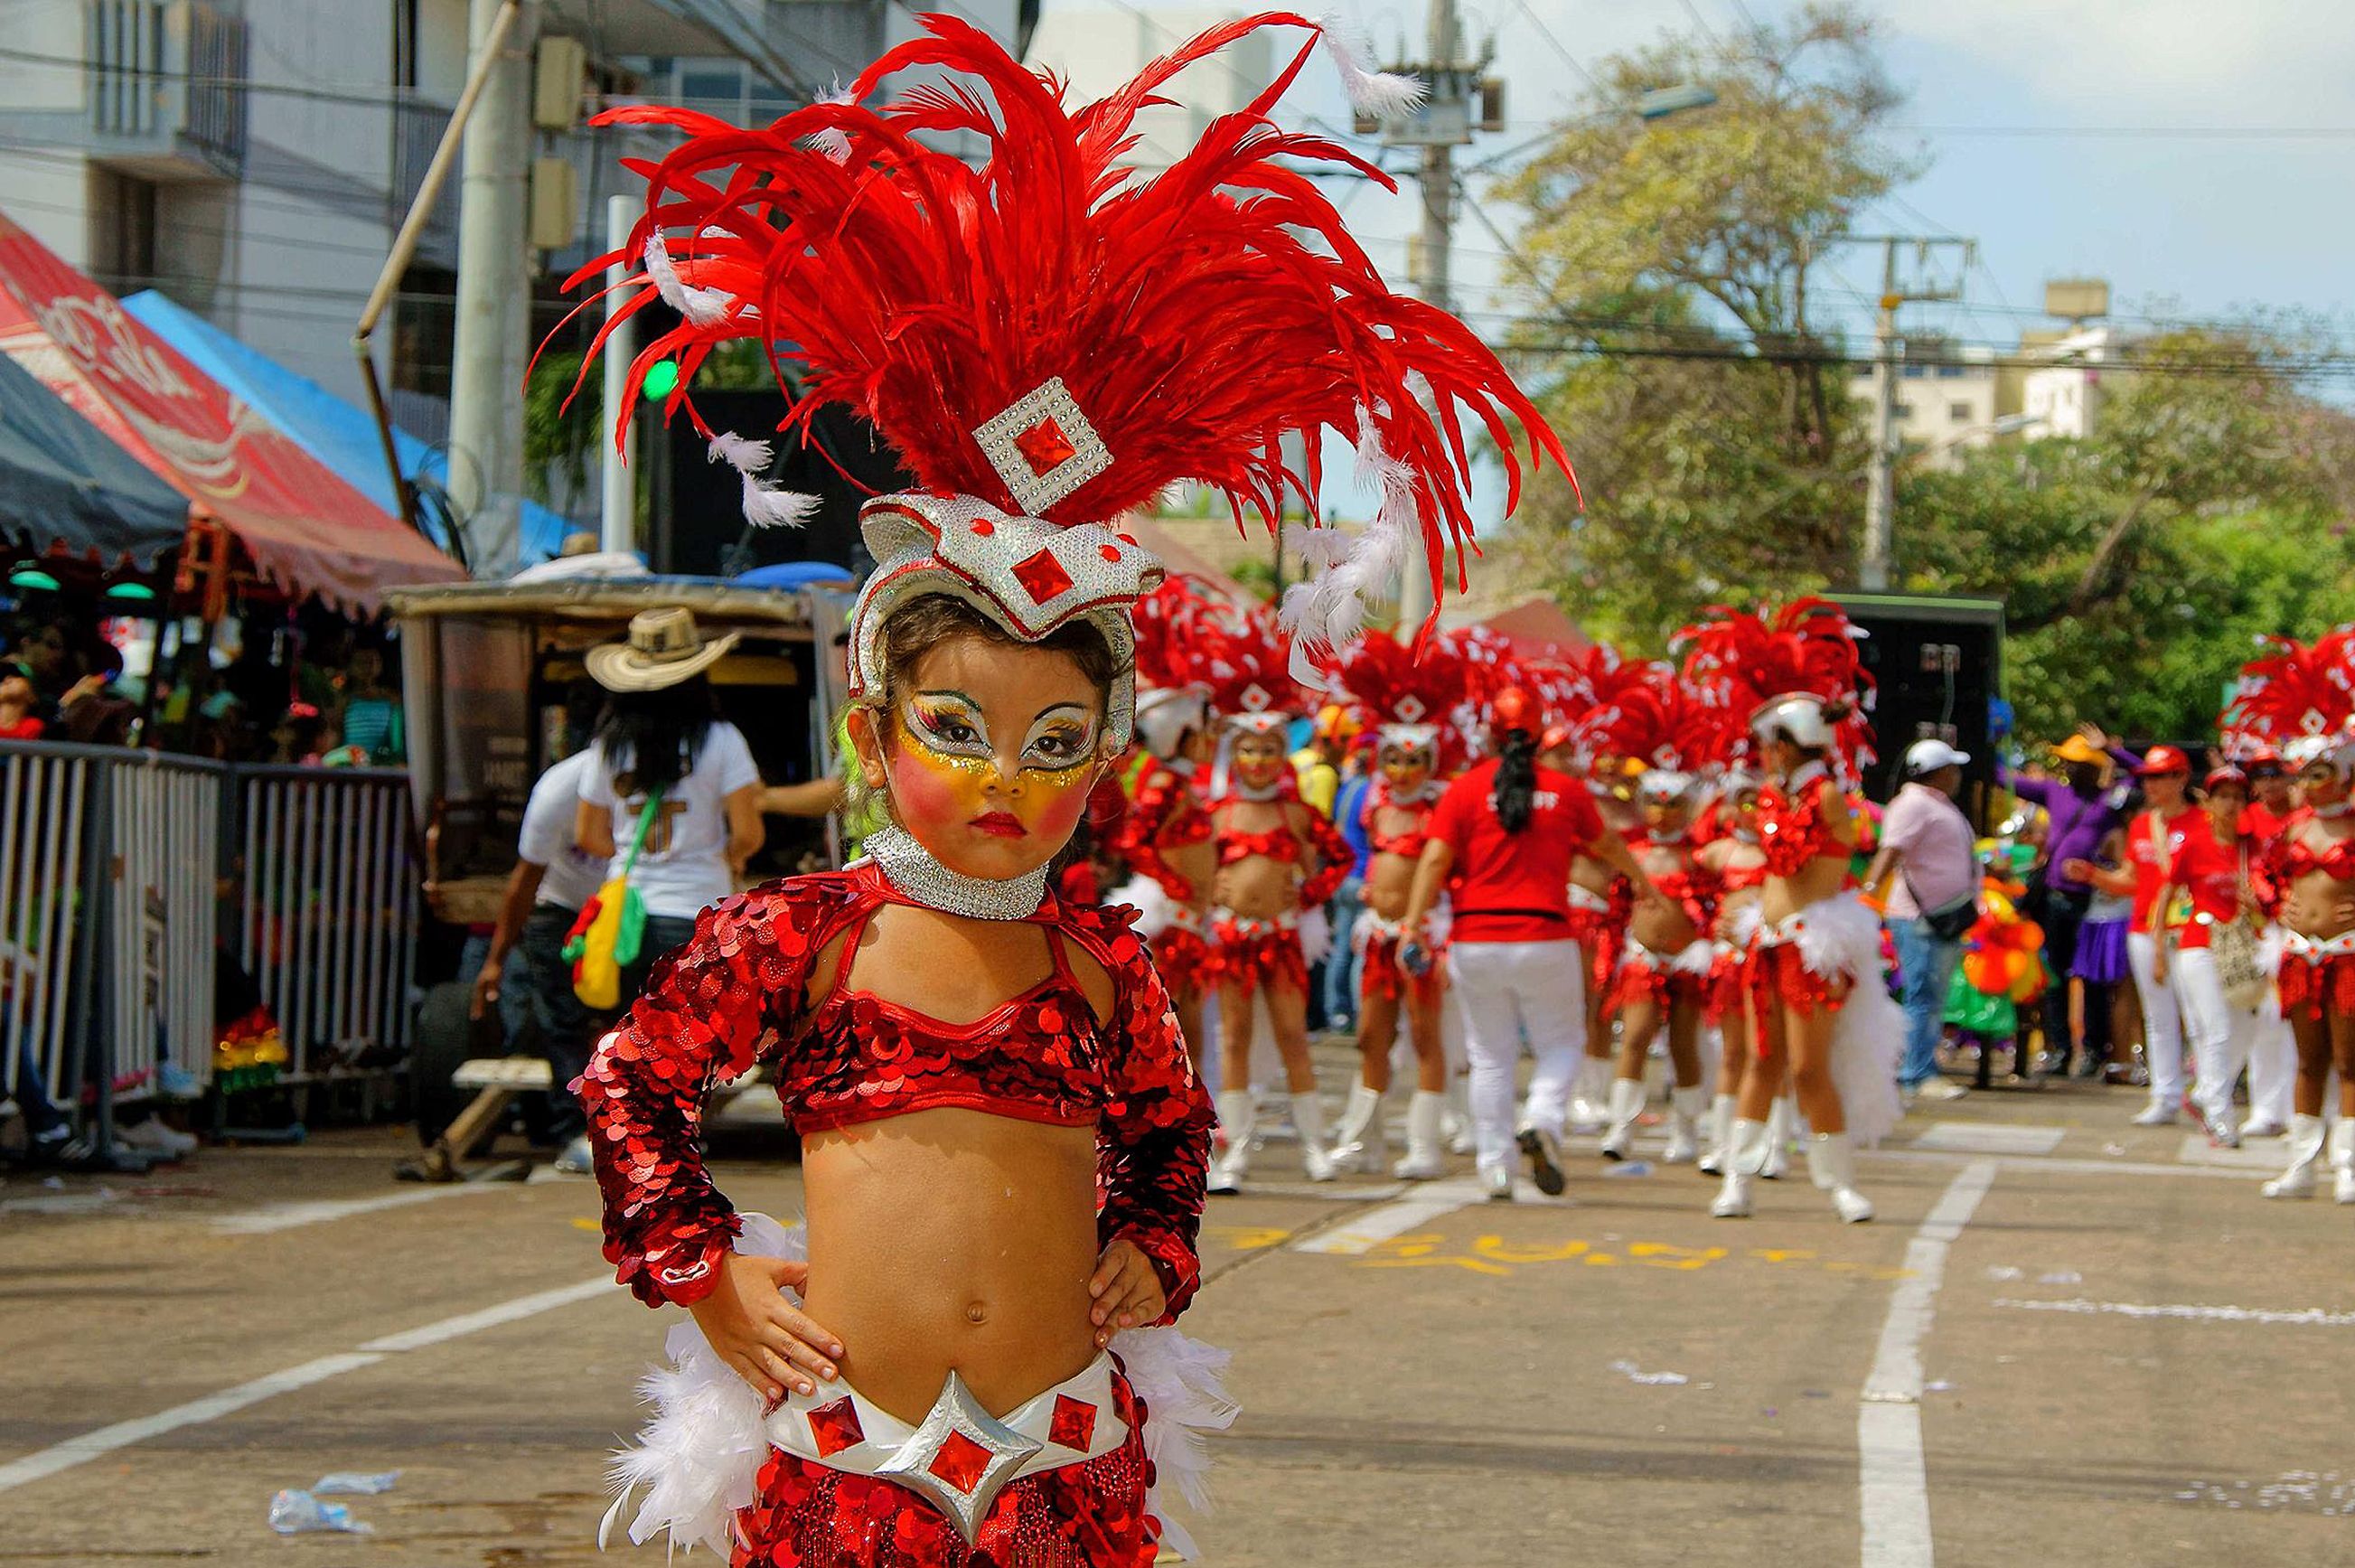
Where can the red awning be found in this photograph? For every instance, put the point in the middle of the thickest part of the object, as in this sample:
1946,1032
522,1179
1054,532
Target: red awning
305,527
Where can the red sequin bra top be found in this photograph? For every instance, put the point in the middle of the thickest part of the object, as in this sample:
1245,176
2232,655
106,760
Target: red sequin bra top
738,995
1791,828
1165,814
2293,858
1407,843
1334,859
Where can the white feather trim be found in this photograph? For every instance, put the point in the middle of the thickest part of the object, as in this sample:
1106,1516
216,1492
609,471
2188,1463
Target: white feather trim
1182,1383
1328,609
1325,548
701,307
1842,939
1156,910
1315,935
739,452
766,505
2269,951
833,143
1697,957
699,1455
1371,91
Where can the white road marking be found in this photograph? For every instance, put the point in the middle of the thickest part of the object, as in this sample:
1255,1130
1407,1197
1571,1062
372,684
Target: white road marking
1892,1482
2255,1153
1432,1200
1980,1138
91,1446
274,1217
2303,1317
2075,1167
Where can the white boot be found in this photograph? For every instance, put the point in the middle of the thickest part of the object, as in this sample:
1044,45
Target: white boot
1588,1091
1308,1120
1455,1115
1831,1162
1781,1125
1361,1145
2342,1159
1626,1106
1745,1147
2305,1150
1235,1118
1425,1157
1684,1125
1720,1152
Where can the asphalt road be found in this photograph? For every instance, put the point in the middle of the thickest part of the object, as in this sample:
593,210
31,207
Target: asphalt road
1978,1378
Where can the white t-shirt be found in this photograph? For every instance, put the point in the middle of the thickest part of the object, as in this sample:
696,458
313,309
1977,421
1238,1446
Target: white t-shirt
684,865
572,874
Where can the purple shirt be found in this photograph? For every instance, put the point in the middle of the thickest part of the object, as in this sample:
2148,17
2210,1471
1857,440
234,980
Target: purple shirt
2078,822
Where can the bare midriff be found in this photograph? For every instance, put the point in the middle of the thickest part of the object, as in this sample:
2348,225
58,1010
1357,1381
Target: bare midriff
1258,887
2319,905
953,1240
1662,927
1199,864
1389,881
1817,881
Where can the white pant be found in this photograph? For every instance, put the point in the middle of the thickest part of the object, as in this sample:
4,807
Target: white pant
2272,1065
1509,990
2220,1033
2162,1027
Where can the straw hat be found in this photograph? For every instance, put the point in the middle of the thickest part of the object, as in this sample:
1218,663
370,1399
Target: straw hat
663,651
2077,749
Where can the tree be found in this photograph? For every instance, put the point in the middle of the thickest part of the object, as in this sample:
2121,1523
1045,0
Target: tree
1707,415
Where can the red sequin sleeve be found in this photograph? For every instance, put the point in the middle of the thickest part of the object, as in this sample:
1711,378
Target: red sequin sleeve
1334,859
709,1010
1153,1149
1140,834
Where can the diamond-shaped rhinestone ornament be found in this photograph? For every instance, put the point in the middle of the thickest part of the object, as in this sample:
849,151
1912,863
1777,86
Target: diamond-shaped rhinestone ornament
954,1433
1043,447
1043,577
1409,708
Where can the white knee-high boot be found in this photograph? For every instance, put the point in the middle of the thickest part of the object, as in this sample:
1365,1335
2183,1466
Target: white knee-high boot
1744,1150
2342,1160
1590,1090
1684,1124
1831,1162
1719,1153
1236,1113
1782,1126
1426,1158
1360,1144
1308,1120
1626,1106
2306,1135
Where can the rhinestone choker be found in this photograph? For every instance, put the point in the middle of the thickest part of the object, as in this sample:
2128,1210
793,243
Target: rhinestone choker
1259,795
910,868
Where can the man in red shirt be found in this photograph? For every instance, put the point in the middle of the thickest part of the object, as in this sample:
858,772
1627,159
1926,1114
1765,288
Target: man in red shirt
1502,839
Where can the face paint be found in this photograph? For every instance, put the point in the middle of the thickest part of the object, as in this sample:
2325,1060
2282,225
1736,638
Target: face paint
950,784
1260,761
1404,771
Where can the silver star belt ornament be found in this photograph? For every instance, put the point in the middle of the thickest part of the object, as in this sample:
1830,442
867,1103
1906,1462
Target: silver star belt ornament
960,1458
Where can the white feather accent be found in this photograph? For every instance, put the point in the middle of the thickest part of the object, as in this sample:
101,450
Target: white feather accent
766,505
1697,957
1325,547
1315,935
833,143
1371,91
1328,609
701,307
1182,1383
743,455
1842,938
699,1455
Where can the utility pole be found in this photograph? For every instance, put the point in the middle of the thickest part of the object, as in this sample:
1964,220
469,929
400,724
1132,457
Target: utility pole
493,306
619,523
1458,99
1881,494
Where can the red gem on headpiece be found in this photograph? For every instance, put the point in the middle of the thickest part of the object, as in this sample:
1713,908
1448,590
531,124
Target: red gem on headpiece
1074,1424
1042,577
984,527
961,1462
1044,446
1111,553
834,1427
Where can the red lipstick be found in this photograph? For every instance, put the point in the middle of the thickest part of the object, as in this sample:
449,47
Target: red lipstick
1002,824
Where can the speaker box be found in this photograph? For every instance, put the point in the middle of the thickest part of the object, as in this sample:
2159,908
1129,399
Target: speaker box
697,526
1937,671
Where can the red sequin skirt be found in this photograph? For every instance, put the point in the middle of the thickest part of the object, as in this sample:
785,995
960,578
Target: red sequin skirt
1256,952
1780,974
1381,977
1080,1516
1599,937
1644,976
1187,964
2316,989
1729,984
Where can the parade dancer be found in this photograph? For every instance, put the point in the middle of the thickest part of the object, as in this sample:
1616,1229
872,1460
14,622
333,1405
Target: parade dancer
1731,853
2303,700
1406,703
1824,1011
2210,862
1504,832
1279,860
1000,1124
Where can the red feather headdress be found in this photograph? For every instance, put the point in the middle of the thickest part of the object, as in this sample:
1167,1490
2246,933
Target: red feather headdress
1245,661
1412,700
1745,661
1055,334
2293,694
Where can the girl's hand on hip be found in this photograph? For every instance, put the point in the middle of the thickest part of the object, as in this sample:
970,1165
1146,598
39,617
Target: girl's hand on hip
1127,1292
768,1341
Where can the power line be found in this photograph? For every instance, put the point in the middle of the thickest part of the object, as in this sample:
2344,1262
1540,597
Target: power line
2155,132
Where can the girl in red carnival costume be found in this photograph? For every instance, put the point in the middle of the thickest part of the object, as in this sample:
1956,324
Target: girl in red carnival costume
1280,859
1824,1011
1662,978
2212,862
1003,1142
1407,704
1731,853
2301,701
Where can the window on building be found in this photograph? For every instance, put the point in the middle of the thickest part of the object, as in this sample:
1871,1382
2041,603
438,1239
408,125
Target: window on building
1960,413
123,232
1950,372
1915,372
720,92
1904,411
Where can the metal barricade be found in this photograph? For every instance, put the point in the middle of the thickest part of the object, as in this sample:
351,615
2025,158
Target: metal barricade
329,908
162,908
45,794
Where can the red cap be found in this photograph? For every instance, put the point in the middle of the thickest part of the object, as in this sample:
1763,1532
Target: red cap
1513,709
2164,760
2228,774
